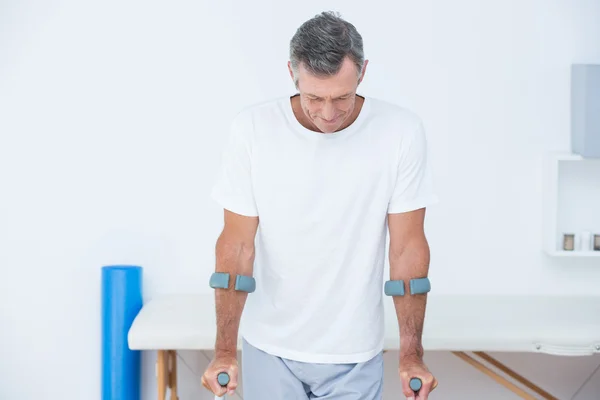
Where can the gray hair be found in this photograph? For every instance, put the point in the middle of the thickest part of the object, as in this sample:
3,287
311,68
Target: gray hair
322,43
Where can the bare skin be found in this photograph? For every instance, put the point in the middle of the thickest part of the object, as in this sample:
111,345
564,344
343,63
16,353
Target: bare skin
327,104
409,258
234,255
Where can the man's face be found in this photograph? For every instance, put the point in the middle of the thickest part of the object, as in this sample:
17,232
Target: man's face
328,102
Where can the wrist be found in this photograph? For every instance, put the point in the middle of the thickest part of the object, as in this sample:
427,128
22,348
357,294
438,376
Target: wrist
411,351
225,353
410,358
225,348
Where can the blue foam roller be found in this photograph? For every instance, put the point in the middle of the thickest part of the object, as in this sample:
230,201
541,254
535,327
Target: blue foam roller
121,302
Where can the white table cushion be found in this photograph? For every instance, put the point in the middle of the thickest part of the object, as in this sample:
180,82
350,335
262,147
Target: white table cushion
548,324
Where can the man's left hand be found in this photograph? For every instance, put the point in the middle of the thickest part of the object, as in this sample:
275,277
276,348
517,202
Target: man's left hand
416,368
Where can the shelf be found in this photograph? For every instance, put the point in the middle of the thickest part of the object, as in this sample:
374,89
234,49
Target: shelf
563,253
571,201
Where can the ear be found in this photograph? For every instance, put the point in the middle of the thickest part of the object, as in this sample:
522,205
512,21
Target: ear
364,69
294,79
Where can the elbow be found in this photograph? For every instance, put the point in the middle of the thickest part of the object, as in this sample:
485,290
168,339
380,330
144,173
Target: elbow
234,254
410,255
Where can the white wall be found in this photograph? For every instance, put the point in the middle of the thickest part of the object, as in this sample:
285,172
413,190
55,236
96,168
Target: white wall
113,116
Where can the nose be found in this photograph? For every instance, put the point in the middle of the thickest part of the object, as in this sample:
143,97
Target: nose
328,111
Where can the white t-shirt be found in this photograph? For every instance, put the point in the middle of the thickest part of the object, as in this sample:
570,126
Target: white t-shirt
322,202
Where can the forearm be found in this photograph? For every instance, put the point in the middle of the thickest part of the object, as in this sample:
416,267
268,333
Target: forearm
406,263
233,258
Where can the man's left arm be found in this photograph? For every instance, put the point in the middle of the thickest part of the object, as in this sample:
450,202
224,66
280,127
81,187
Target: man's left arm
409,259
409,252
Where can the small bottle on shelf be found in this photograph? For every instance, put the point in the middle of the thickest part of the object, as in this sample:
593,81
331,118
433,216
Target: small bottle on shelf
596,244
569,242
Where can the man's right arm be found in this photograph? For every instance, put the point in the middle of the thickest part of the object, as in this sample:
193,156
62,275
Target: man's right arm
234,255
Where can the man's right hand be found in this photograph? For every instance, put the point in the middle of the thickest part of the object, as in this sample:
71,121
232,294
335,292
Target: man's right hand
220,364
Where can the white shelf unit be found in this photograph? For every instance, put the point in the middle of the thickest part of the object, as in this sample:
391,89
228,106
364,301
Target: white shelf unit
571,202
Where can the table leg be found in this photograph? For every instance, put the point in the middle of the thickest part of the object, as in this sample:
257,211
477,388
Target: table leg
173,374
519,378
501,380
161,373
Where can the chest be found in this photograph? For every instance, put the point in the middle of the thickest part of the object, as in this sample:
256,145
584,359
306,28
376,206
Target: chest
302,173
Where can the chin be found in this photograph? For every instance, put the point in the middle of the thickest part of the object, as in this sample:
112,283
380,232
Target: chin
331,128
328,129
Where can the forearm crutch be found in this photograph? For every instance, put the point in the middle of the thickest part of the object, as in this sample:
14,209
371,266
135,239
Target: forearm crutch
415,384
223,379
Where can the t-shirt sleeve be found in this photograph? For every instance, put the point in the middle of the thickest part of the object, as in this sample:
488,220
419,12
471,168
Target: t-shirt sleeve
233,188
414,185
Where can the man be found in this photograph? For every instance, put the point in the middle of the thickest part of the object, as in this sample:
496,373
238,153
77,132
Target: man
327,172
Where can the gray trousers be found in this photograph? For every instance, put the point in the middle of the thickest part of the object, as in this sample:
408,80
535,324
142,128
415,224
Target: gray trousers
268,377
